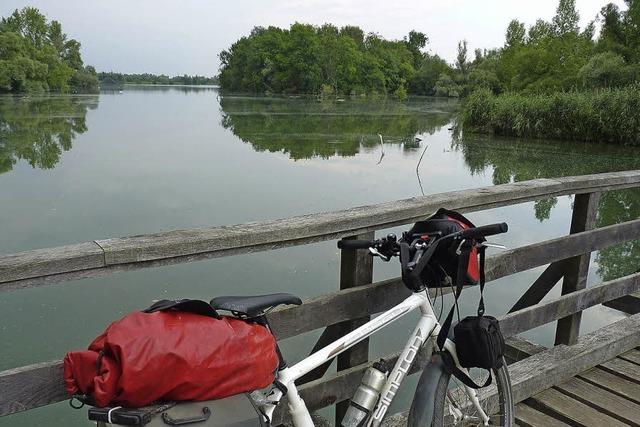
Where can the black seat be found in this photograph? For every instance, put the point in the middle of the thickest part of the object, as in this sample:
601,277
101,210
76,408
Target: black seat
252,306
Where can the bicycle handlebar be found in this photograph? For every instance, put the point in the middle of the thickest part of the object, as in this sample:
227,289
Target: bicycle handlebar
484,231
469,233
355,244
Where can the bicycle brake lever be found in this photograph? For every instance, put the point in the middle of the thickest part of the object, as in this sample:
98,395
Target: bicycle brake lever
375,252
493,245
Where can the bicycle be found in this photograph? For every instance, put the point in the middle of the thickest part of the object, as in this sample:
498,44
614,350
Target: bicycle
439,400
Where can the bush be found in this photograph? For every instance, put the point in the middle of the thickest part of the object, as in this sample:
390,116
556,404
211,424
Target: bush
608,115
401,93
605,69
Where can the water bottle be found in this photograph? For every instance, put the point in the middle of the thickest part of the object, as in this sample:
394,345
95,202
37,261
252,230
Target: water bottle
366,396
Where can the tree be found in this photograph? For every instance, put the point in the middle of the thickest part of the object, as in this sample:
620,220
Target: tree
36,56
566,19
515,35
461,59
605,69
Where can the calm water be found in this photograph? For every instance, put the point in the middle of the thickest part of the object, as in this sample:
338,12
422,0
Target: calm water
75,169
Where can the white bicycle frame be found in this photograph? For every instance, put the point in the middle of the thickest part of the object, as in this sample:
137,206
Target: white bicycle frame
427,327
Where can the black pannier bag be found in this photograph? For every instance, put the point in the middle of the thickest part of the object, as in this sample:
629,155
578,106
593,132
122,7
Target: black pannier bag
479,342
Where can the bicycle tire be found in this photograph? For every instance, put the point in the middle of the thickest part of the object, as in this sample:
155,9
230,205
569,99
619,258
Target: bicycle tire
505,416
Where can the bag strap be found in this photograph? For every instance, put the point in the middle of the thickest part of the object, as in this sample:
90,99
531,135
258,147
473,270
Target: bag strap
452,369
481,253
187,305
463,262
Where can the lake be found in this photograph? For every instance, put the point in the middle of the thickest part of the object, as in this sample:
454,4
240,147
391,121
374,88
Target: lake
80,168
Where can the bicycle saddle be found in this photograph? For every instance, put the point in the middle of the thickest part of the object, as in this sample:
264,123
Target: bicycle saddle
252,306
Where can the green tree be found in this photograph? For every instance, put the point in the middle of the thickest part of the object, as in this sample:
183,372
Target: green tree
37,56
516,34
605,69
566,19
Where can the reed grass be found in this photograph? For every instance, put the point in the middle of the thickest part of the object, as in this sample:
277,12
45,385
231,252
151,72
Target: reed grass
606,115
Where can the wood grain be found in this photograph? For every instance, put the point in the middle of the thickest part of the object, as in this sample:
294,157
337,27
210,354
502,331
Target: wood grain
602,400
526,416
542,313
573,410
585,210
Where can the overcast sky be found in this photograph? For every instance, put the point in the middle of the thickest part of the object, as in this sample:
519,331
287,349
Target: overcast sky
185,36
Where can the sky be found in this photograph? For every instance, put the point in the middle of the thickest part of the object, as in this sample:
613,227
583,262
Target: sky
185,36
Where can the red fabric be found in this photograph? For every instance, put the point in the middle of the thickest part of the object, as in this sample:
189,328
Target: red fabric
473,268
172,355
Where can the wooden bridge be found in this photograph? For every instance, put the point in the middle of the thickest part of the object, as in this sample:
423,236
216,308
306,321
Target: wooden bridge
592,379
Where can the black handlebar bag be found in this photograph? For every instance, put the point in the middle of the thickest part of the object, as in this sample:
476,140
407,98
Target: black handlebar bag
442,268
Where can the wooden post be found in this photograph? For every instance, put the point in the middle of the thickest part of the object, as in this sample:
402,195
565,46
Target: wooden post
356,269
585,210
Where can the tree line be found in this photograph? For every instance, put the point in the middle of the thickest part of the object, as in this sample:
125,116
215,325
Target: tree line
326,59
113,78
37,56
548,56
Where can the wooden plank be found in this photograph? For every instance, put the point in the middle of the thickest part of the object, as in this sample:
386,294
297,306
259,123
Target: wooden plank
41,262
356,269
518,348
526,416
629,304
571,409
31,386
613,383
631,356
585,210
498,266
603,401
623,368
550,367
542,313
337,307
541,287
538,254
189,245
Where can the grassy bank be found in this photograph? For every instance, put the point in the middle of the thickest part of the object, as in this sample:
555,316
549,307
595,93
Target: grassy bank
606,115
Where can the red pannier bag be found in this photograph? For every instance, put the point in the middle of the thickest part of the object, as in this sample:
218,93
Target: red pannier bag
442,270
172,355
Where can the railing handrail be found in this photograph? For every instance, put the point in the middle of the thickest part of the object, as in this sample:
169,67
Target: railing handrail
102,257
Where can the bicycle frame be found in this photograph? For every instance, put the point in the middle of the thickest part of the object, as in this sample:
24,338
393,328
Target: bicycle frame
427,327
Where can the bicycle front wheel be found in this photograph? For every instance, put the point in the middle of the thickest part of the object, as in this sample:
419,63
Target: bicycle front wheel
453,407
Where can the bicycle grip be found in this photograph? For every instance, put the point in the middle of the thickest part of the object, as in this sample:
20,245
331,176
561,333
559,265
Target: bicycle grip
485,230
354,244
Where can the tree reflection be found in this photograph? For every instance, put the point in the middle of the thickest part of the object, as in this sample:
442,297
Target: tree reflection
304,128
38,130
514,160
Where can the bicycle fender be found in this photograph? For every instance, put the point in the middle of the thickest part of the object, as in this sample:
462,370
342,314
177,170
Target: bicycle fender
422,407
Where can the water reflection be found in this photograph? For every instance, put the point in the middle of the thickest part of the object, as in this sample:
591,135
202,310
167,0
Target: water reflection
39,129
304,128
518,160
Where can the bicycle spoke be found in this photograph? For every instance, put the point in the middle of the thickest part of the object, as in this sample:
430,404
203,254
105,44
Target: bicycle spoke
460,411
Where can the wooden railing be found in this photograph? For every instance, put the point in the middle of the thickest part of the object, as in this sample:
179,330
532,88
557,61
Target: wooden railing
568,257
